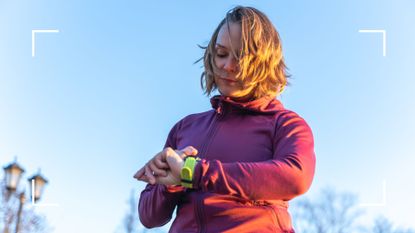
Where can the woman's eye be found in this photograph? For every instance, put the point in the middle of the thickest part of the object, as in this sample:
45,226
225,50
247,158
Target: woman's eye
221,55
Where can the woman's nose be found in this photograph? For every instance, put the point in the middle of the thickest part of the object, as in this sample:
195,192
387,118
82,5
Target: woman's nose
231,65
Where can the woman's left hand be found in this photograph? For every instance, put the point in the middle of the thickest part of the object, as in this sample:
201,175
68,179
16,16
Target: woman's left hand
174,159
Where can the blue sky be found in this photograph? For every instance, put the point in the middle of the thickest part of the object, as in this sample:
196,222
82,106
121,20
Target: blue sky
99,97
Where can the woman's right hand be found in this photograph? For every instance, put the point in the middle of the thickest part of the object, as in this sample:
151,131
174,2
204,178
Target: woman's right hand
158,166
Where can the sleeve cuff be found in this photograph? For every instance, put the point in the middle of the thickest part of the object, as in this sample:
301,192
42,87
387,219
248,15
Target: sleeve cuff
173,188
197,175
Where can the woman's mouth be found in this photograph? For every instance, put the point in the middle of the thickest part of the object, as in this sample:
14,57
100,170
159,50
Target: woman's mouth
228,80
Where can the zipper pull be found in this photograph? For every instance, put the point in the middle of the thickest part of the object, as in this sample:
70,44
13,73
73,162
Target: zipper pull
219,110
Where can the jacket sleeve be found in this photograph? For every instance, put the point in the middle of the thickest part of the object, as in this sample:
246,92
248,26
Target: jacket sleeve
157,202
287,175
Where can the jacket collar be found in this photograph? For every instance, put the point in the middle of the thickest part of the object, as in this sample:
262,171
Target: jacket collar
265,105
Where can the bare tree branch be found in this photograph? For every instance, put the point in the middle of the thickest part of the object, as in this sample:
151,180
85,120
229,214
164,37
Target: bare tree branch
31,222
332,213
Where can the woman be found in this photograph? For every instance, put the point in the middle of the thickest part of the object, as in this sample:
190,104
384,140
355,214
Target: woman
233,168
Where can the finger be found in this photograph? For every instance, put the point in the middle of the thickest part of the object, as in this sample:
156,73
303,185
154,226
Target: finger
161,156
144,178
157,171
165,152
139,173
160,163
150,176
187,151
190,150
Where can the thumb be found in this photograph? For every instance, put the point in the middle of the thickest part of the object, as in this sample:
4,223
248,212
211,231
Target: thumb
188,151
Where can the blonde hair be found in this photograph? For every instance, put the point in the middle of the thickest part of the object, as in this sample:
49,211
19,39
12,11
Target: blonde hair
261,62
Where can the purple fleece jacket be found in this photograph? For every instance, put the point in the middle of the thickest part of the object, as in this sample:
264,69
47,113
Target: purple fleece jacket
255,157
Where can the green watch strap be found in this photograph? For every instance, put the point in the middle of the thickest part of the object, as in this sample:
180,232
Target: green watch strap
186,174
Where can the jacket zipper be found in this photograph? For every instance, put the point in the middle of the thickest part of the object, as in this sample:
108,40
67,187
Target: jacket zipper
199,213
199,199
218,115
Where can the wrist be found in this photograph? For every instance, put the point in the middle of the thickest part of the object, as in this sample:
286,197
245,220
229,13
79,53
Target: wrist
187,171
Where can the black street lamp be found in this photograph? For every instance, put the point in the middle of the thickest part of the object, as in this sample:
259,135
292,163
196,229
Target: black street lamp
13,173
39,184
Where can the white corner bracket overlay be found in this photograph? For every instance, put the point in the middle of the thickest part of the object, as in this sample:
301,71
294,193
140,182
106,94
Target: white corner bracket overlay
33,198
383,37
40,31
381,204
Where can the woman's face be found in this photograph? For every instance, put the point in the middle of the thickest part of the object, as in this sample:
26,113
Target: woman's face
228,46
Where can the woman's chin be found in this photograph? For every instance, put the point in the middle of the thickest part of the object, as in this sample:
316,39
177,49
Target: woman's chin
228,93
236,96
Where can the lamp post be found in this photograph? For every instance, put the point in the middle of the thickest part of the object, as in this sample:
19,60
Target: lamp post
13,173
37,183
